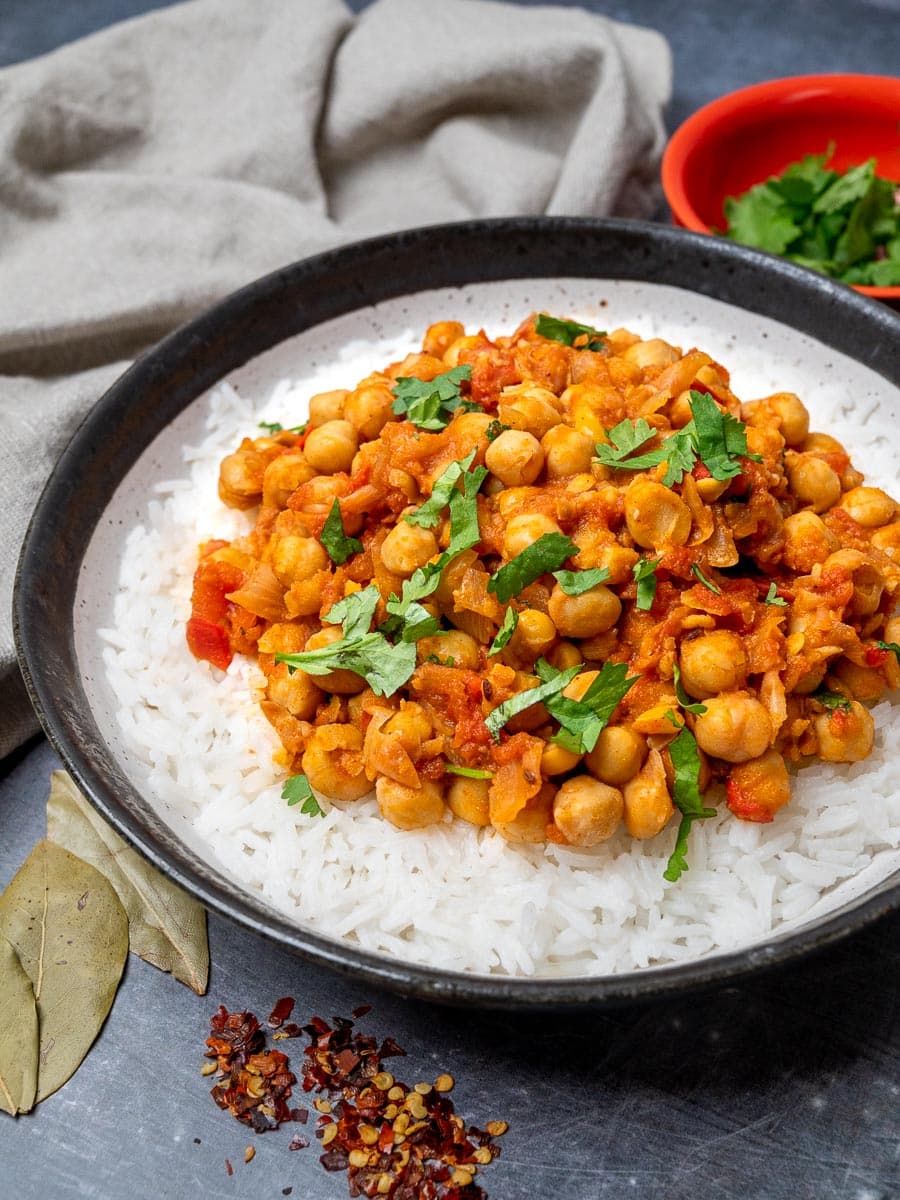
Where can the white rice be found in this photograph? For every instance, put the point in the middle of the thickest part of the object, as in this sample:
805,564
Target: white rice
451,895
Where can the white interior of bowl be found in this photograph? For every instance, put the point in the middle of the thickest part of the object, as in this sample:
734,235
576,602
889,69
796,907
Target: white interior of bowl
845,399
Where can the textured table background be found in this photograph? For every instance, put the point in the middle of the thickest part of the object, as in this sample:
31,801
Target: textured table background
785,1088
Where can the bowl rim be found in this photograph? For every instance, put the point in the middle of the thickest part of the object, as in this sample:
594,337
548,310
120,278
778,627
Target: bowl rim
262,314
719,113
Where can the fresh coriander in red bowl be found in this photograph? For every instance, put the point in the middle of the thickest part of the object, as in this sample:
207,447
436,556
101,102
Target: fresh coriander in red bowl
805,167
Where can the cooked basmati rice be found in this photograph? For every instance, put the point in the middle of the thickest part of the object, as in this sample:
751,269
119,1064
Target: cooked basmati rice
450,895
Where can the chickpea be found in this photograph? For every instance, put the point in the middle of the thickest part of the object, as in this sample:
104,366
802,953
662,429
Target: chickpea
868,581
297,693
524,530
535,410
861,682
368,408
295,559
734,728
409,808
807,541
557,760
618,560
469,429
320,492
586,811
515,457
333,762
618,755
530,825
822,443
534,633
785,410
712,663
566,452
240,478
440,336
679,410
455,644
652,353
411,725
342,681
655,515
647,803
283,476
471,341
887,539
812,481
586,615
892,631
564,655
759,788
327,406
869,506
407,547
468,799
845,736
331,447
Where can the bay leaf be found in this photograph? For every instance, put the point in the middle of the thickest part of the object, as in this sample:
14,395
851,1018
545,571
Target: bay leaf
18,1034
70,932
166,927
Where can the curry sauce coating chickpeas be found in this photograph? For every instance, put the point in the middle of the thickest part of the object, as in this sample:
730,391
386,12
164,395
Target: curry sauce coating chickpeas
742,618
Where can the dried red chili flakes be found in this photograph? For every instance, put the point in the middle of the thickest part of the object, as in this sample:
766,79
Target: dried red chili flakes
281,1010
255,1083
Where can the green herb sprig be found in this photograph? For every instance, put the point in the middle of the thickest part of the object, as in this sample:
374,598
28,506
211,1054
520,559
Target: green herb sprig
568,332
431,404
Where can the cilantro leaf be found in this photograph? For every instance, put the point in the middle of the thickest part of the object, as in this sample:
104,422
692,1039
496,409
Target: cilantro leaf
271,426
550,551
385,667
337,544
568,332
772,597
644,572
831,700
582,721
628,436
687,798
428,514
680,456
505,632
494,430
683,698
890,646
515,704
297,789
355,612
707,583
719,437
625,438
576,583
467,772
430,404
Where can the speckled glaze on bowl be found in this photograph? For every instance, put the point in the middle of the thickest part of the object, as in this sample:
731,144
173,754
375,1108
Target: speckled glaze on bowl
68,568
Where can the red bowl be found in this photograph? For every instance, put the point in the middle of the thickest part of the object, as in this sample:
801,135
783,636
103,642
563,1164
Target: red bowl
741,139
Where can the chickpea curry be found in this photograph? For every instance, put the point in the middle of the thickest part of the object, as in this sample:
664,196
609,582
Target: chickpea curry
556,582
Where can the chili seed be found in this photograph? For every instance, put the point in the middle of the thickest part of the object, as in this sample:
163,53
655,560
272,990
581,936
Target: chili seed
396,1093
358,1158
423,1088
444,1083
384,1080
496,1128
415,1105
329,1133
483,1155
322,1106
208,1068
249,1153
384,1184
461,1177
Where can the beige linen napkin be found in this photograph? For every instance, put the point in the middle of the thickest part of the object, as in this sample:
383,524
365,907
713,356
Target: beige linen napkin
152,168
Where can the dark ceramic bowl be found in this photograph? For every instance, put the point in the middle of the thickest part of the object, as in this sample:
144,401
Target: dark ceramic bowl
744,300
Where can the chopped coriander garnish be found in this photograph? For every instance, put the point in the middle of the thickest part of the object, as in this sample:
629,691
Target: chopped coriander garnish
644,572
582,721
467,772
831,700
494,430
277,427
296,790
569,332
713,436
510,708
546,554
719,438
428,514
430,404
684,699
707,583
338,545
845,225
686,795
355,612
576,583
505,632
772,597
890,646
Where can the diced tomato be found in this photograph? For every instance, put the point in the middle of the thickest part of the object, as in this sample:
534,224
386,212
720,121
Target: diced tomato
209,642
744,807
701,470
875,657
